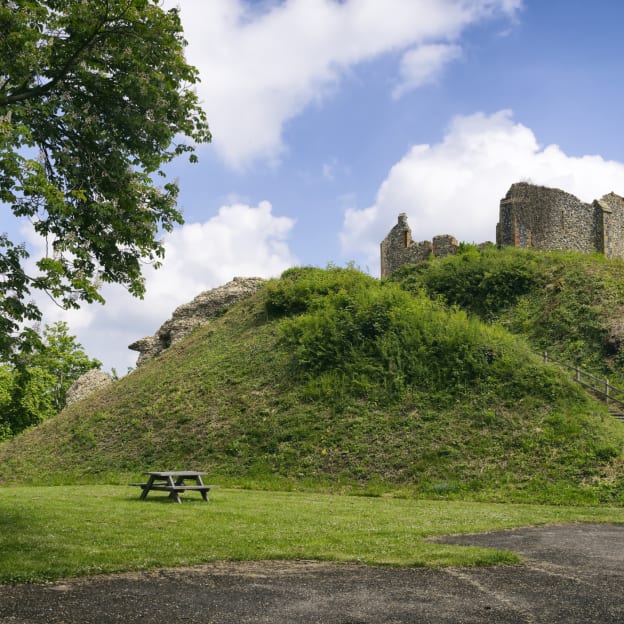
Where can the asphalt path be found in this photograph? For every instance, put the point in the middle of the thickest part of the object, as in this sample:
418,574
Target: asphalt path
570,574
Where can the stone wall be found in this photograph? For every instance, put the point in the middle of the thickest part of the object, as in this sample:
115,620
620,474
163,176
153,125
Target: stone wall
536,217
87,384
444,245
610,235
189,316
398,248
548,219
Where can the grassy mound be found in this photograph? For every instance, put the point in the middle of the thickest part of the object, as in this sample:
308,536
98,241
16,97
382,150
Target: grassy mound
329,379
568,304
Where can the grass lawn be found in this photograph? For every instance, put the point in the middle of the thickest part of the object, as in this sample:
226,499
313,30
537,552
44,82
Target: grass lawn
49,533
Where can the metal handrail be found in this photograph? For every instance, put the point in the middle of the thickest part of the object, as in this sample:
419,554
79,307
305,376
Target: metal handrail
602,387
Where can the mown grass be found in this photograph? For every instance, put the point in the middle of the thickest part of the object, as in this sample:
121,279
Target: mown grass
49,533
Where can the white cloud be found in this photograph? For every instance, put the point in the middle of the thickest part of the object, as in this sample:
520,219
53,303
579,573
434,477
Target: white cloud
422,65
261,68
242,240
455,186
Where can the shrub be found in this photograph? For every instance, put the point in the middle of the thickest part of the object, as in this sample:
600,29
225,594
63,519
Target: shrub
301,288
378,342
482,282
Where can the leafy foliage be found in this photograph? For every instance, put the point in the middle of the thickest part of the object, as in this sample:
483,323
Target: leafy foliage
566,303
93,99
483,282
382,344
35,388
302,288
6,385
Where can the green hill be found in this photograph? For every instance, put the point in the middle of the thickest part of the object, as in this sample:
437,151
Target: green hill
568,304
329,379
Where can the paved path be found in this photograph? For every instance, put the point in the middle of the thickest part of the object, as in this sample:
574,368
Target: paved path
572,574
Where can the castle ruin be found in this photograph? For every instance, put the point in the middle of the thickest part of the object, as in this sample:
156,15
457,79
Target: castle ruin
531,216
548,219
398,248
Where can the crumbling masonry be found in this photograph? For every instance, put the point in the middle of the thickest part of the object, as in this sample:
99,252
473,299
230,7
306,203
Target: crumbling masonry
398,248
536,217
549,219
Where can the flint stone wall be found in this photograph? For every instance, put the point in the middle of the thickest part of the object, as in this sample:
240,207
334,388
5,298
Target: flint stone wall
536,217
198,312
548,219
612,231
398,248
87,384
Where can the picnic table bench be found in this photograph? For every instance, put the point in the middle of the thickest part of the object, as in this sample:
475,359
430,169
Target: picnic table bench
173,481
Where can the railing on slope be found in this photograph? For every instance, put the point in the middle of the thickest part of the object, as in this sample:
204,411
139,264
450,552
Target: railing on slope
612,395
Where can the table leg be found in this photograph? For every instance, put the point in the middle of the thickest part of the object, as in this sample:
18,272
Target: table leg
203,493
147,487
173,494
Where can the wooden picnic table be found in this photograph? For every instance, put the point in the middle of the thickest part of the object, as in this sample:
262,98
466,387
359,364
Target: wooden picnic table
174,482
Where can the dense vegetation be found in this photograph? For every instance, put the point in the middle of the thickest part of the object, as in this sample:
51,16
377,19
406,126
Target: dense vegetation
329,379
95,99
568,304
33,387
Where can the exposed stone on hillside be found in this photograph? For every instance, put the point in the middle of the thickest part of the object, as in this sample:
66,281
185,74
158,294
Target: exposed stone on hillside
89,382
189,316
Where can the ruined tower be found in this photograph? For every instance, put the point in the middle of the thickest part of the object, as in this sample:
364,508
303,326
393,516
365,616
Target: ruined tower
548,219
531,216
398,248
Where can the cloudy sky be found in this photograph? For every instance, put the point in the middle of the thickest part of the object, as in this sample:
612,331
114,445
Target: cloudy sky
331,117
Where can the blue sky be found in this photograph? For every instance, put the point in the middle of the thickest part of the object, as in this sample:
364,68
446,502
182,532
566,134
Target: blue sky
332,117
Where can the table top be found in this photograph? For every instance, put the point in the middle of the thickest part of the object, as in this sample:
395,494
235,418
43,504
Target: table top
176,473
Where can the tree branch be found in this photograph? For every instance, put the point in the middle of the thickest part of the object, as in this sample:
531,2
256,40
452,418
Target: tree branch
43,89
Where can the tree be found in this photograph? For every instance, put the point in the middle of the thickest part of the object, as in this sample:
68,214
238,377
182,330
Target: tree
95,98
34,389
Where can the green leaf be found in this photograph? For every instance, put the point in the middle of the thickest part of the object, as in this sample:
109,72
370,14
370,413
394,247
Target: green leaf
102,94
